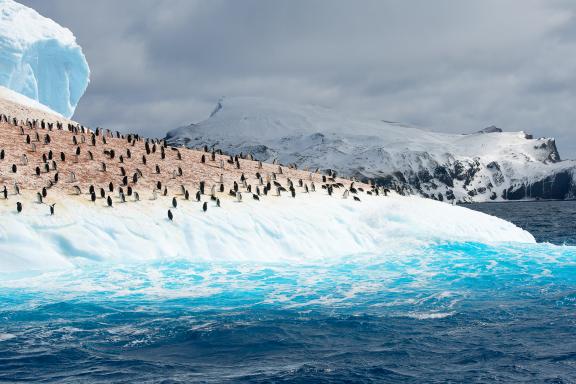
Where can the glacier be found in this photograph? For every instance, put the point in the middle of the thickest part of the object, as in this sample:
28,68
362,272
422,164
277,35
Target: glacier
482,166
309,229
41,59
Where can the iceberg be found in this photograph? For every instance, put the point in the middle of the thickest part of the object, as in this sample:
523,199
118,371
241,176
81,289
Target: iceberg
41,59
307,230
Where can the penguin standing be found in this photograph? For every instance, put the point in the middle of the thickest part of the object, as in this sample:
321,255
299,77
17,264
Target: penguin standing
18,206
52,209
174,202
170,216
205,206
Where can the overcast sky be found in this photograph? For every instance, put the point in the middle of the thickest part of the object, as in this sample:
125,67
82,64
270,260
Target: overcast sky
453,66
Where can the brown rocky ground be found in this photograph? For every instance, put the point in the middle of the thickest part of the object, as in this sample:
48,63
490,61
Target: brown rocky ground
86,169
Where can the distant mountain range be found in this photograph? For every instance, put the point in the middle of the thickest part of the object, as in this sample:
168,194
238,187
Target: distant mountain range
486,165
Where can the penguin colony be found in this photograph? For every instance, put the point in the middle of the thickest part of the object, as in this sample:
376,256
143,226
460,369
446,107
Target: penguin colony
108,168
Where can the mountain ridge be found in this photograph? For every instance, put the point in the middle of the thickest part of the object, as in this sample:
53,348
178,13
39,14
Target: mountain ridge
486,165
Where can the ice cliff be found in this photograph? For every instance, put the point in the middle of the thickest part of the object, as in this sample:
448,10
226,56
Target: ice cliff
41,59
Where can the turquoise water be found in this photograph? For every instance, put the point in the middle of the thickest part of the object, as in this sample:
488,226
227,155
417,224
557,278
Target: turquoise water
456,312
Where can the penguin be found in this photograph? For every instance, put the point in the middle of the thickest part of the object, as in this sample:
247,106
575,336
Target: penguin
37,171
39,198
238,196
93,197
2,155
102,193
218,202
19,207
52,209
170,216
255,197
143,159
44,192
111,187
5,193
186,195
62,156
198,196
174,202
356,198
136,196
157,169
14,168
203,159
109,201
205,206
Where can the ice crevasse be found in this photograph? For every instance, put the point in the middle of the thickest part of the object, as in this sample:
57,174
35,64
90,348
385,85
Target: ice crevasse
40,59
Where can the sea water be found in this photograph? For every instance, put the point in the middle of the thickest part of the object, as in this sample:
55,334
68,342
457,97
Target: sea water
441,312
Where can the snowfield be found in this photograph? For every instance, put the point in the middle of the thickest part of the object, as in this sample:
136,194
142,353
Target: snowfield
40,59
308,229
482,166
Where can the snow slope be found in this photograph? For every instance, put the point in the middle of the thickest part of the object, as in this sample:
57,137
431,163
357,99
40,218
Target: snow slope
489,164
13,97
308,229
40,59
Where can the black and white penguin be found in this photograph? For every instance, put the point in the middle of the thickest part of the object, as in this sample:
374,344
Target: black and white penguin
18,206
52,209
205,206
109,201
170,216
174,202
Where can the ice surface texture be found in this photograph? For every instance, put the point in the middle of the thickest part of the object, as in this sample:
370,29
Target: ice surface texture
308,229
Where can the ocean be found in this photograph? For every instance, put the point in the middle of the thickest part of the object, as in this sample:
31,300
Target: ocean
455,312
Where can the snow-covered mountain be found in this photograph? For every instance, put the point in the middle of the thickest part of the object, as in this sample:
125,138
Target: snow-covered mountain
482,166
40,59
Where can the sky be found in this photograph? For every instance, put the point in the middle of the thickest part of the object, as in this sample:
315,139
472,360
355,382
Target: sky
449,66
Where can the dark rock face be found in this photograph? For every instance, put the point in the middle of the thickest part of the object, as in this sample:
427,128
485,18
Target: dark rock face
558,186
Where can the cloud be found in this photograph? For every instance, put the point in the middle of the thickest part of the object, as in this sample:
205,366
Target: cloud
454,66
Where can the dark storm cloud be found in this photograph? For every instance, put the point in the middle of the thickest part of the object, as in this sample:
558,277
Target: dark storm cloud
453,66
